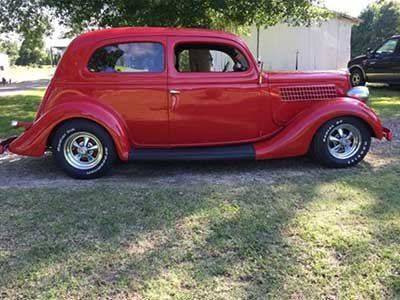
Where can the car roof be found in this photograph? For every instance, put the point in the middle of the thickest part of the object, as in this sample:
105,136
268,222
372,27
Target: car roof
163,31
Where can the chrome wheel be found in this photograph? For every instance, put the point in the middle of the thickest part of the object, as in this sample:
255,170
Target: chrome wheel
83,150
344,141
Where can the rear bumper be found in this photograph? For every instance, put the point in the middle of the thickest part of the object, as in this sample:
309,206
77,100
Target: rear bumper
5,144
387,134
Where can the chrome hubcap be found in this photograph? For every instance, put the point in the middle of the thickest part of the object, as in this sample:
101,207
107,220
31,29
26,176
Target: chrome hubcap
83,150
344,141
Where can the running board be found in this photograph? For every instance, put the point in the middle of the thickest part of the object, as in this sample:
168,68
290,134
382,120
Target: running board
197,153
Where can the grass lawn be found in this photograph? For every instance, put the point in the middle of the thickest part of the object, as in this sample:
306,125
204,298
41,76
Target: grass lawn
386,102
330,236
20,107
336,237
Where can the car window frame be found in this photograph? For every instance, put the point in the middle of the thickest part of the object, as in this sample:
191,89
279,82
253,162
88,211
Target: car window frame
174,41
211,44
126,40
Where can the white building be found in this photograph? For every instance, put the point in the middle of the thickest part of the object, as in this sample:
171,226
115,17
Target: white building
324,46
4,67
56,48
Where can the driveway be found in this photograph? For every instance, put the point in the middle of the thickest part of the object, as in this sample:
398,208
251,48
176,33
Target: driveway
17,88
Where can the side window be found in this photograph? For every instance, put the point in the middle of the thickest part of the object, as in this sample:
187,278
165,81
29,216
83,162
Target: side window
209,58
128,58
388,48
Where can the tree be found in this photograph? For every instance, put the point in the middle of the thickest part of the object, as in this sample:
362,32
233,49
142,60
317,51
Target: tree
379,21
29,19
10,48
31,50
80,15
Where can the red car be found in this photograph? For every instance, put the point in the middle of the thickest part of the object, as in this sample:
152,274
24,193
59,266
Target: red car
187,94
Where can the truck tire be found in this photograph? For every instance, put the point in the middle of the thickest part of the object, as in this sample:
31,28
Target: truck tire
83,149
357,77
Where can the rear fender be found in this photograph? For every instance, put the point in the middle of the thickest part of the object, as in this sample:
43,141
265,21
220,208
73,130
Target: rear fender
295,139
34,141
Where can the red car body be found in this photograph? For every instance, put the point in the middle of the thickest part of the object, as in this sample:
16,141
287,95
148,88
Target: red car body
278,113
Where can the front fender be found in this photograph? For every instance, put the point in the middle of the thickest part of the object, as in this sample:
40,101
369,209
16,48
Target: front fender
295,139
33,142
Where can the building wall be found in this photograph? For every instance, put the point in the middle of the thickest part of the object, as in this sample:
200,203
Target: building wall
319,47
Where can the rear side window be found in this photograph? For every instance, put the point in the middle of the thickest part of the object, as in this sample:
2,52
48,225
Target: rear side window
128,58
209,58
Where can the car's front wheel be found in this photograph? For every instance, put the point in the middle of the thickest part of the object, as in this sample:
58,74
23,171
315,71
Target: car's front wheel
341,142
83,149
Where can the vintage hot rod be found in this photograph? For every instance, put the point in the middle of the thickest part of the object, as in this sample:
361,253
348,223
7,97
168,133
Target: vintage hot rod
188,94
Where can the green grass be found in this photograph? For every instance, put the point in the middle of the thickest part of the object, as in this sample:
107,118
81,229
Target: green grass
20,107
313,238
386,102
333,236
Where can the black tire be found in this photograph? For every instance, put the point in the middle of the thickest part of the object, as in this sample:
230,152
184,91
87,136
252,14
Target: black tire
75,128
357,77
322,145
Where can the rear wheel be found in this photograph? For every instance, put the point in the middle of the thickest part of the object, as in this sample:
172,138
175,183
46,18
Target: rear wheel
341,142
83,149
357,77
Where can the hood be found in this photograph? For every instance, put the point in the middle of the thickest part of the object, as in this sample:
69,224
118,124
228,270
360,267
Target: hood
359,57
357,60
339,78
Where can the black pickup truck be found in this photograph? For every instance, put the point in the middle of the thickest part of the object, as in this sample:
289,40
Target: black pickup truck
381,65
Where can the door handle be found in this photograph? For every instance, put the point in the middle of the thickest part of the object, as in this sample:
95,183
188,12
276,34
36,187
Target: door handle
175,96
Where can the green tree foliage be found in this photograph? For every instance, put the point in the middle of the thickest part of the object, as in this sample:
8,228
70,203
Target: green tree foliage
380,21
29,19
10,48
31,50
80,15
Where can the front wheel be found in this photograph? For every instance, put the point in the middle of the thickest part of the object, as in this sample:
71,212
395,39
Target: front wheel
341,142
83,149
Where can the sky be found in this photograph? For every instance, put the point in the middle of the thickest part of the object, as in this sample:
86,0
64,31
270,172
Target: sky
350,7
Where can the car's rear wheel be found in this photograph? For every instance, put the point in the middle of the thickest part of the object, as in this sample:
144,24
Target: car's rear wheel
83,149
341,142
357,77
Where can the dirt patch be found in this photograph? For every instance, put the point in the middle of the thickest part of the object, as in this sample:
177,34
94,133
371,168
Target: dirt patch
17,171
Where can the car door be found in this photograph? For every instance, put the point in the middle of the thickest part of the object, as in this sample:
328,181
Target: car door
383,65
215,97
130,75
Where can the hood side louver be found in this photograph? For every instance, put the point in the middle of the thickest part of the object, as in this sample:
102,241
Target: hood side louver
309,93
